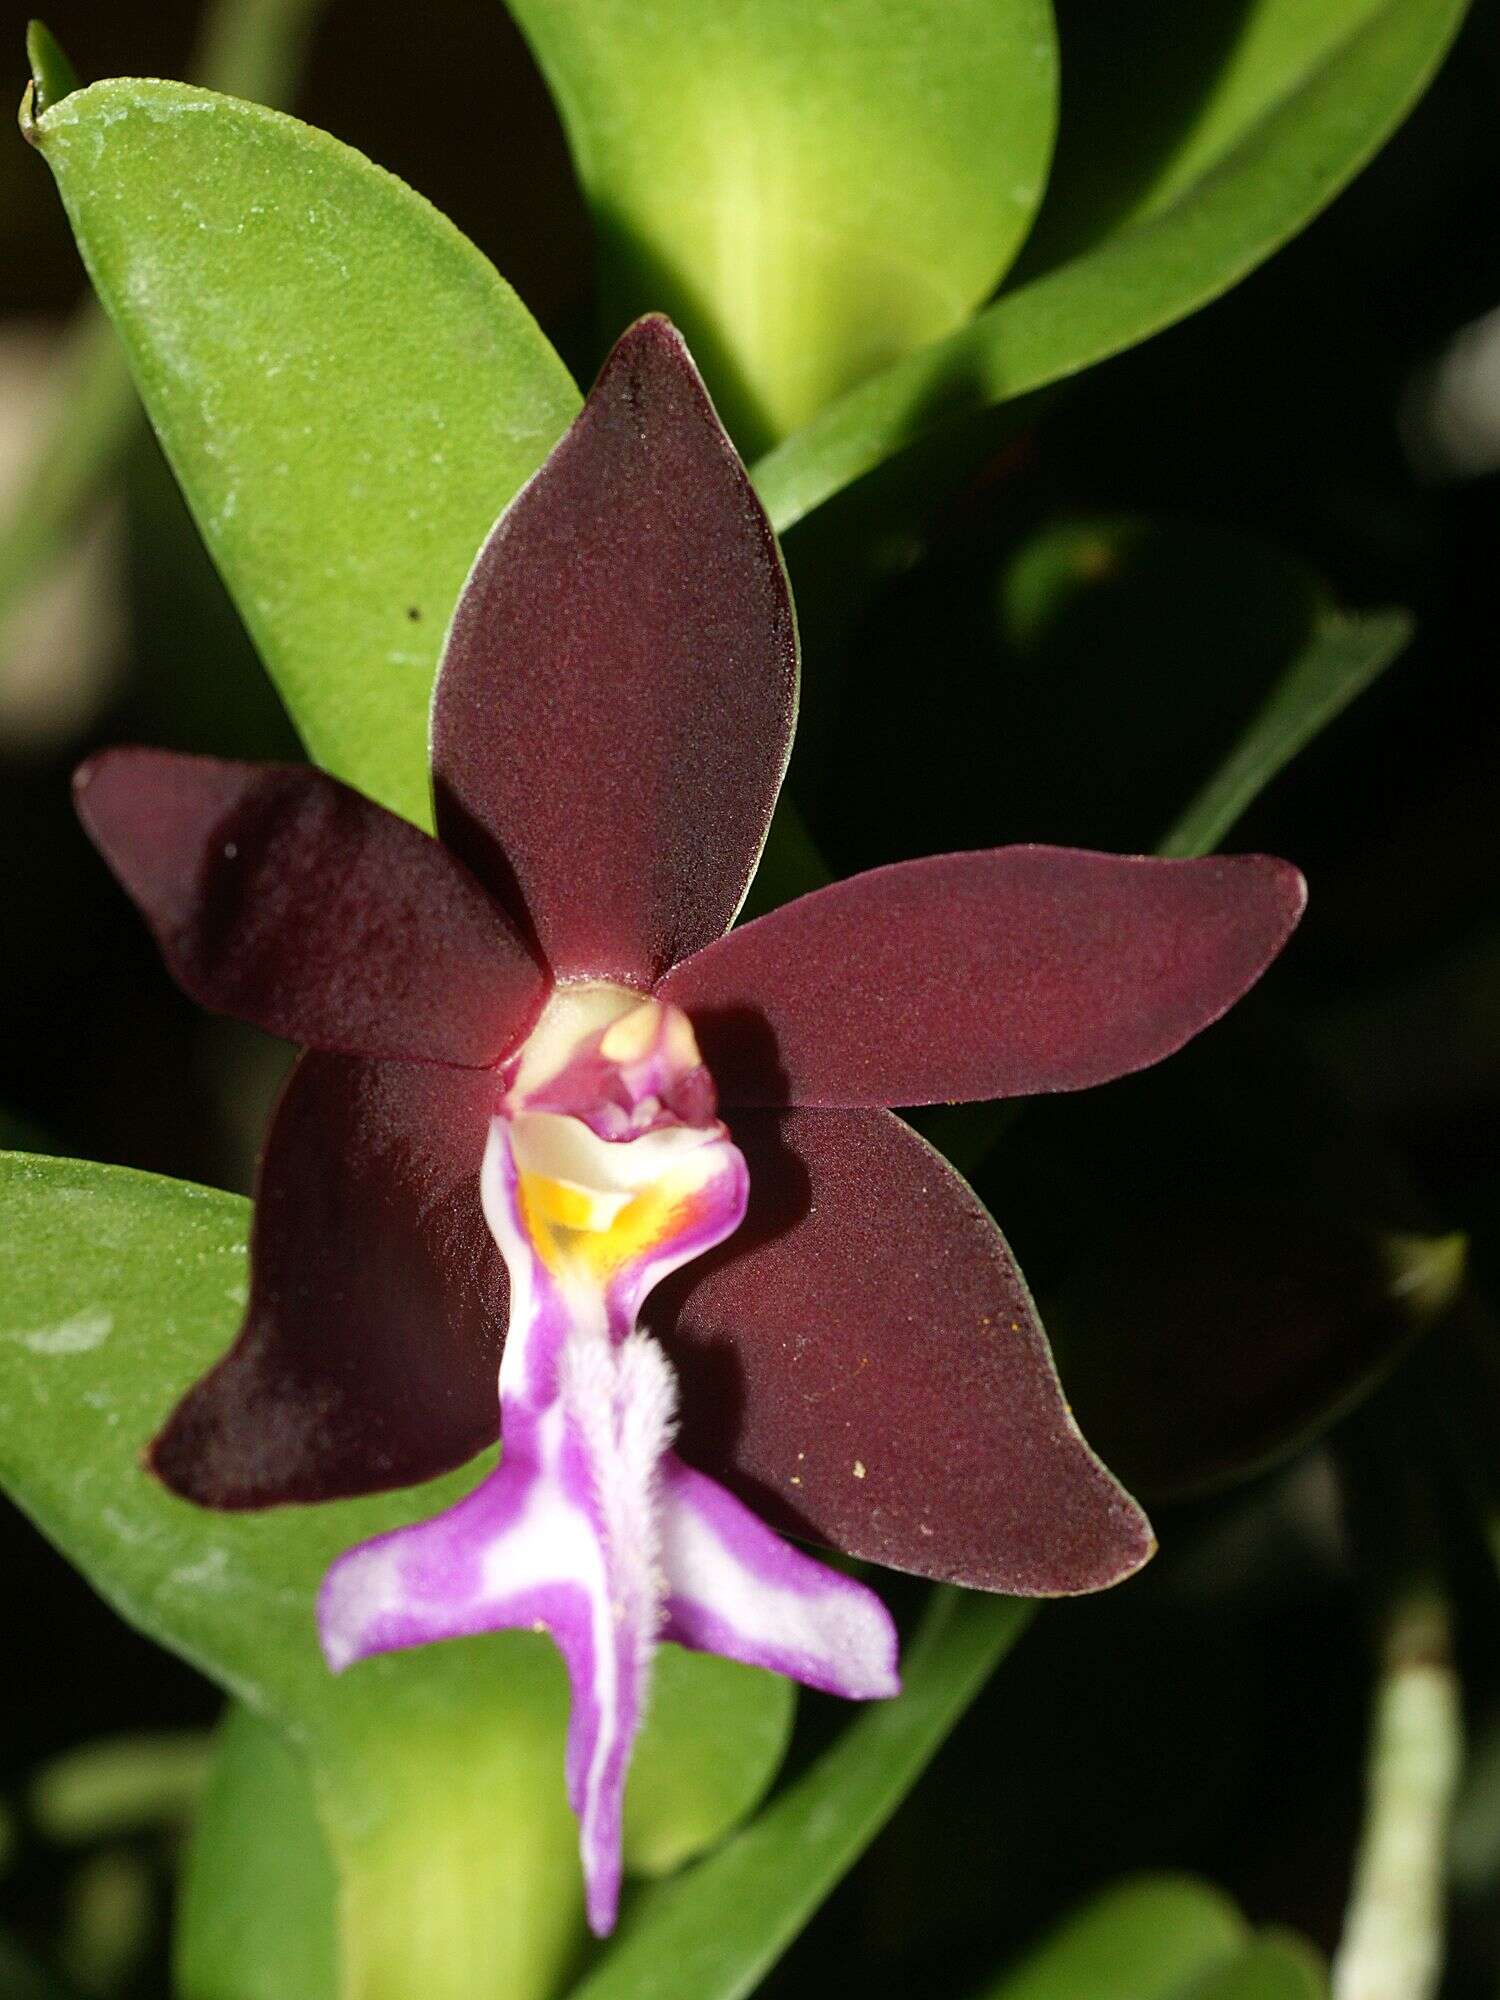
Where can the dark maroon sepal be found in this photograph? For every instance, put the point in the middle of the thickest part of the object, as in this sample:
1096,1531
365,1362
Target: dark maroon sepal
371,1345
615,706
995,974
279,895
864,1364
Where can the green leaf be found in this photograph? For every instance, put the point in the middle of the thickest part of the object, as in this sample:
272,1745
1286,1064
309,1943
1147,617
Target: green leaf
117,1289
1144,1939
53,77
1164,1937
348,393
1275,148
1158,97
714,1932
1342,655
256,1918
810,191
1277,1966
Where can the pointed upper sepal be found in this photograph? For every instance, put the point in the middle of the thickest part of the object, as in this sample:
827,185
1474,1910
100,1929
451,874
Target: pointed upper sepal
862,1363
615,706
279,895
994,974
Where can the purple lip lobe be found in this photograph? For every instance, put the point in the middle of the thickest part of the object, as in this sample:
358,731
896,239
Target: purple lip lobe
591,1528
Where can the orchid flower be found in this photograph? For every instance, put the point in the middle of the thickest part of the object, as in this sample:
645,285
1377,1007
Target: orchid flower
503,1150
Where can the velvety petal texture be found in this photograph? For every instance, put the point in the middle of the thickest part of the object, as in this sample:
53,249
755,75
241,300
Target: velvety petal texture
279,895
377,1307
864,1365
995,974
615,706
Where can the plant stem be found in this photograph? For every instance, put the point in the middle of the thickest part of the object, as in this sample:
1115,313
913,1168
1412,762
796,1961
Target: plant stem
1392,1947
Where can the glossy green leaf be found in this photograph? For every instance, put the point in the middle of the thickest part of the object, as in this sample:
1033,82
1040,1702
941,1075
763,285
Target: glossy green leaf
715,1931
1157,97
1274,149
1339,659
811,192
256,1916
1144,1939
116,1290
349,394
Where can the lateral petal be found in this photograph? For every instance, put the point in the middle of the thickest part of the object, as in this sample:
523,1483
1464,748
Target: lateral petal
863,1365
995,974
282,896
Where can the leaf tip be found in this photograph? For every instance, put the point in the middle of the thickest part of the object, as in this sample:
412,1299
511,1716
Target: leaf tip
1426,1273
53,77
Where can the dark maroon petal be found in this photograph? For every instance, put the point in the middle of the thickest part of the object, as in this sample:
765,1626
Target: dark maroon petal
370,1349
864,1364
998,974
616,700
279,895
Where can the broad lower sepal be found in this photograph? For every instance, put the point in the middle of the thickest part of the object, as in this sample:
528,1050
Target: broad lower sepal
865,1367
